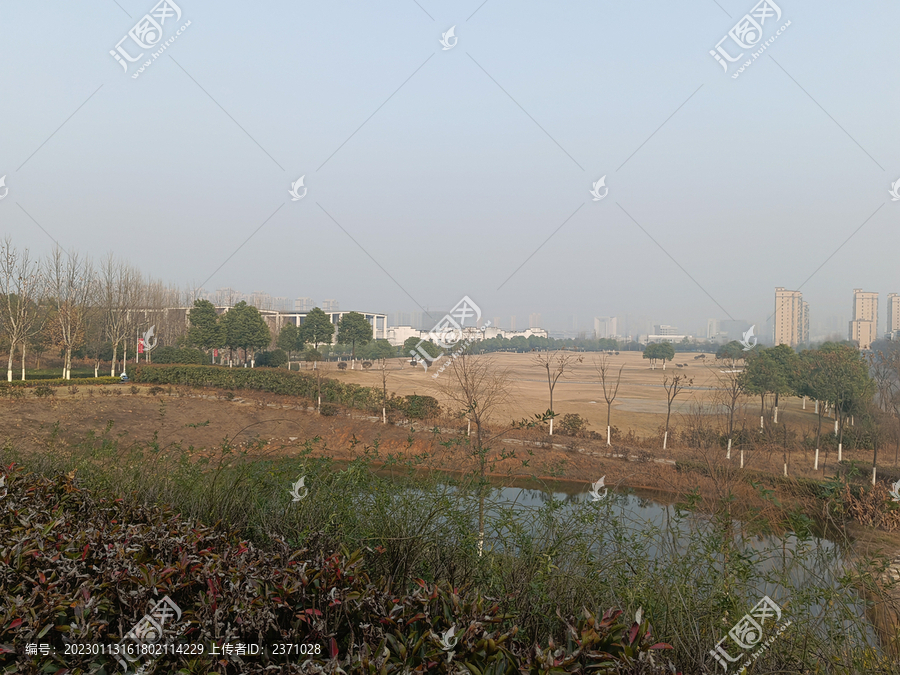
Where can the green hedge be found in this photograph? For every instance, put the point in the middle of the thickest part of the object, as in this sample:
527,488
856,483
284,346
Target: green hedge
275,381
289,383
176,355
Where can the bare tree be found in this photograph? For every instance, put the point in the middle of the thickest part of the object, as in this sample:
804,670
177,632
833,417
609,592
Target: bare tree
731,392
884,366
20,282
71,280
673,386
556,364
477,388
609,392
119,289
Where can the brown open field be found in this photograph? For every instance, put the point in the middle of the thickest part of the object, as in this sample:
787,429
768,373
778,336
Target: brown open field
640,404
202,419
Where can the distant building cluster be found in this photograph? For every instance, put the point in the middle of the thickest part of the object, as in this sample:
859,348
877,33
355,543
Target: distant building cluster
228,297
791,320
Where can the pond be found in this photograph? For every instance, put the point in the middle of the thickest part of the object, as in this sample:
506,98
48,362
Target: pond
803,574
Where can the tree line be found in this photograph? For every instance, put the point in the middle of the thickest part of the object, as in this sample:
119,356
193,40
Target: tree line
71,307
68,306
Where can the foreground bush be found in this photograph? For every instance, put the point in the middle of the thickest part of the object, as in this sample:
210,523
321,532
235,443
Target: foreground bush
695,572
77,569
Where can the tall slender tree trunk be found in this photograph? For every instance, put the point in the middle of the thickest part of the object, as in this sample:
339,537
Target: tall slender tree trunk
112,366
818,436
608,427
9,365
874,457
23,360
841,437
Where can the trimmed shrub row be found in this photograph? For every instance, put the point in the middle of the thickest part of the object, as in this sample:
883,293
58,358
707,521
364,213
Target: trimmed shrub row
176,355
277,381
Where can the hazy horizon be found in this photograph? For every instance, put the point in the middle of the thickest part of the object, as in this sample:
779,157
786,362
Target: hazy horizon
434,174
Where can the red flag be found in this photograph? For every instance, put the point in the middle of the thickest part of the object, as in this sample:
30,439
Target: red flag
140,345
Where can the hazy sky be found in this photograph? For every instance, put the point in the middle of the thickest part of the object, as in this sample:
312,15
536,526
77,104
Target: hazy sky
467,159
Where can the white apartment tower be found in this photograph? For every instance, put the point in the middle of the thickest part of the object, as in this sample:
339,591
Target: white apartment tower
893,315
791,318
606,327
864,324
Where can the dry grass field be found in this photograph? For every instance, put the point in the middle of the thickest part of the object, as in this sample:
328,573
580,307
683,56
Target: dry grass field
640,404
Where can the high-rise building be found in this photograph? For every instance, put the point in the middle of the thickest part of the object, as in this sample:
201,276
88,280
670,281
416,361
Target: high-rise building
330,306
227,297
606,327
664,329
712,329
791,318
864,320
893,315
303,304
534,320
261,300
512,322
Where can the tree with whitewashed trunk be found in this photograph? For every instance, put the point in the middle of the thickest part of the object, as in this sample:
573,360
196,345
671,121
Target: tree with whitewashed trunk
316,329
884,365
71,281
20,288
673,385
119,291
842,378
556,364
610,390
731,394
353,330
477,388
769,371
813,383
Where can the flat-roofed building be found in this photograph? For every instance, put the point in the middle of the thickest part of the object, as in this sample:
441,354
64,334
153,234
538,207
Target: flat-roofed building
791,318
864,321
606,327
893,315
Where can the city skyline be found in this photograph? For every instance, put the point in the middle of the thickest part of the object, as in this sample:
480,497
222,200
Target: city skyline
609,326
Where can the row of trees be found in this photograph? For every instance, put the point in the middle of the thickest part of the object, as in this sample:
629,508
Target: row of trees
73,307
835,377
353,329
242,327
659,351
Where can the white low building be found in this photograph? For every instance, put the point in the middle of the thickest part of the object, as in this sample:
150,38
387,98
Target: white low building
397,335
